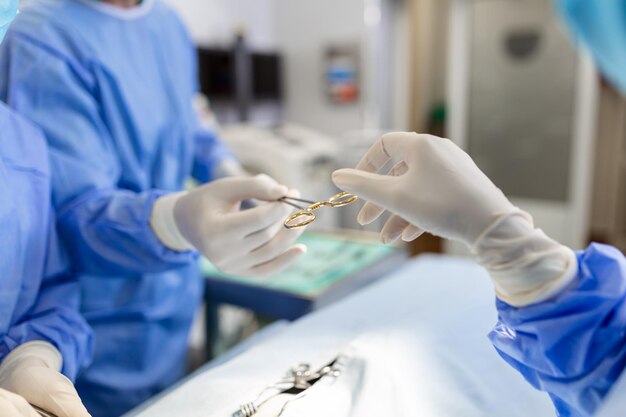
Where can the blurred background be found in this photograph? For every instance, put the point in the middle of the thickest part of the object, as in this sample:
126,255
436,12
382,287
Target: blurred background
300,88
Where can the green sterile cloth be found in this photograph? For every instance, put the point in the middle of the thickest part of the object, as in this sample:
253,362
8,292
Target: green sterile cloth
328,260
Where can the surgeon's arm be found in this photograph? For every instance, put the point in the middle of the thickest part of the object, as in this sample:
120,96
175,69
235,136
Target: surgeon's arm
572,346
212,158
55,316
105,229
562,317
48,342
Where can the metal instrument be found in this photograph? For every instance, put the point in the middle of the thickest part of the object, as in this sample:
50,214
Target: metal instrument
306,215
296,383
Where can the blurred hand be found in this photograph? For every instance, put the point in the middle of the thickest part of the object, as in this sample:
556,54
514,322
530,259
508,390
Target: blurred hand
32,372
250,242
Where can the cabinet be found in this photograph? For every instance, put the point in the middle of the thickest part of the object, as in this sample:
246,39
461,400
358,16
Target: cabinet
608,210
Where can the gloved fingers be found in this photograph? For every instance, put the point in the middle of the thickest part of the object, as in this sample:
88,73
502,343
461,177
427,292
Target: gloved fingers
51,391
374,159
398,143
247,222
393,229
261,233
260,238
13,405
276,246
398,169
232,251
260,187
67,404
411,233
378,189
389,146
370,212
277,264
272,249
233,257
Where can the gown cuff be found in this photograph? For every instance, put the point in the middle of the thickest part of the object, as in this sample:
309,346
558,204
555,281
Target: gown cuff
164,224
525,265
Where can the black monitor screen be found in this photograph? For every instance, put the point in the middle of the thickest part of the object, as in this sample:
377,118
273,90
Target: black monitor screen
217,75
216,72
267,76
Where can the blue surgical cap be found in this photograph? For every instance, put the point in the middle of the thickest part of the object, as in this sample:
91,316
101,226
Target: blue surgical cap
601,26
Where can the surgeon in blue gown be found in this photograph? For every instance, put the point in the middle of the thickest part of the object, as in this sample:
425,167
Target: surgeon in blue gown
41,329
562,315
111,84
44,341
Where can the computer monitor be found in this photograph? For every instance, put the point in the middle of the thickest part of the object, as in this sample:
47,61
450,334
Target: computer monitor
218,77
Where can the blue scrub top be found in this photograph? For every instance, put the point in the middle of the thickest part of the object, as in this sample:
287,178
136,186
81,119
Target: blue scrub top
113,89
574,345
38,299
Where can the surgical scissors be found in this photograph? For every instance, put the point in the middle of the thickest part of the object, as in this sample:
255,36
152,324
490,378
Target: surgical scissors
296,383
307,215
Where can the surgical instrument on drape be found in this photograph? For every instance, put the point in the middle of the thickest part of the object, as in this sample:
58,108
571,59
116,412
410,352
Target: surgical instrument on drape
296,383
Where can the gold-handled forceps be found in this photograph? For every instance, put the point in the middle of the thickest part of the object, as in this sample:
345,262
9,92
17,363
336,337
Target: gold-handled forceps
306,215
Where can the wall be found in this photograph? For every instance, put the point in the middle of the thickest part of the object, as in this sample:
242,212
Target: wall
301,30
400,92
214,22
564,215
304,29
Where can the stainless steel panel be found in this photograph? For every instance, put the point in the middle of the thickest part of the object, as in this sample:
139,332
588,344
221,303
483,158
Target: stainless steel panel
522,90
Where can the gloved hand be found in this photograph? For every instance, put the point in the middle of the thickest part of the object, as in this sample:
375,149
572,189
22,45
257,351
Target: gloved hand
249,242
15,406
434,186
32,371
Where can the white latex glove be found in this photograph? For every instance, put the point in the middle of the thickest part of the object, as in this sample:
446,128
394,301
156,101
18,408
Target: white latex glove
435,186
32,371
250,242
15,406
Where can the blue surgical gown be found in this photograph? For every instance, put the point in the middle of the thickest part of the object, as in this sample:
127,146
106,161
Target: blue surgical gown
574,345
38,299
113,89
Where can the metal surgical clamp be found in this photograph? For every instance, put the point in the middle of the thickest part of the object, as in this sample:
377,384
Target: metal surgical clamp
296,383
306,215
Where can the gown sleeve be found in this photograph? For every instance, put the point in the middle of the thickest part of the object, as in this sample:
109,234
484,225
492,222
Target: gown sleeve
55,314
209,153
573,346
105,229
